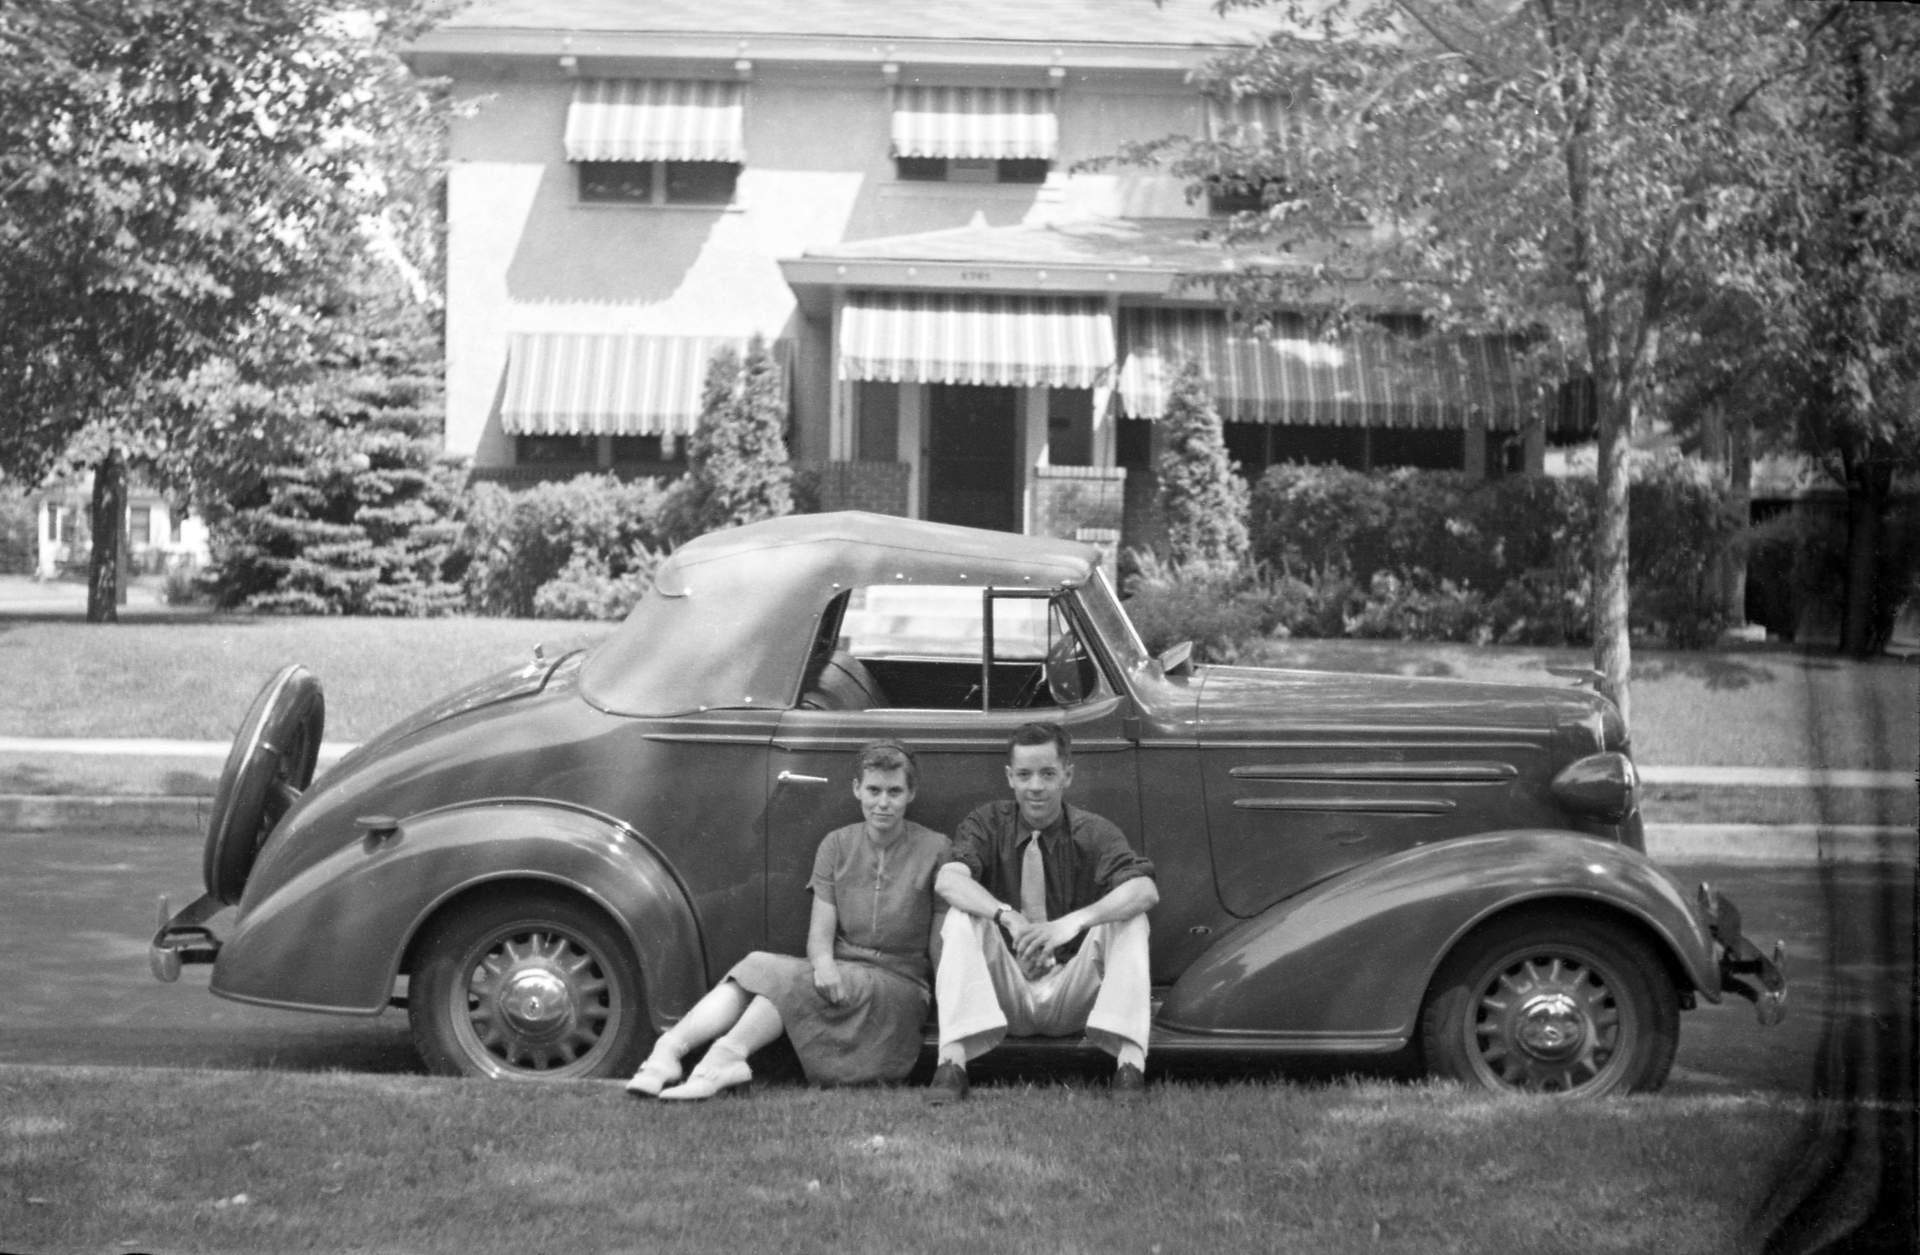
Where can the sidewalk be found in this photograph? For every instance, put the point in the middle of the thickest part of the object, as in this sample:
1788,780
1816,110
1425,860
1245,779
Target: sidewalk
183,813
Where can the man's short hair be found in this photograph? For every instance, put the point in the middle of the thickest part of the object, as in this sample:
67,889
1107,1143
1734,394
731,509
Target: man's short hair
1041,734
886,756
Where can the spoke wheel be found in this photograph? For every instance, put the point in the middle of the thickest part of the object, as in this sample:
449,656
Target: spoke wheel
529,986
1542,1006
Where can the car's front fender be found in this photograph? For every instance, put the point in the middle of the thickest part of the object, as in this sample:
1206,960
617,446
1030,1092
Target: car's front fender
1349,960
333,938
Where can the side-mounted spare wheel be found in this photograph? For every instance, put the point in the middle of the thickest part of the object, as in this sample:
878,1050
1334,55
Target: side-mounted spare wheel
1536,1004
270,765
526,984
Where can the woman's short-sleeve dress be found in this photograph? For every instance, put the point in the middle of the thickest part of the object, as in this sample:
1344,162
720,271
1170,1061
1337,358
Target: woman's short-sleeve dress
883,898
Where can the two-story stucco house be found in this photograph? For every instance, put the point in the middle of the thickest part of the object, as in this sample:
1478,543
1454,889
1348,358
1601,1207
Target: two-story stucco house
978,327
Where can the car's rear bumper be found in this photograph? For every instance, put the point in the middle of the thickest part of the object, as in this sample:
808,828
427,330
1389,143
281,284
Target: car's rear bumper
184,938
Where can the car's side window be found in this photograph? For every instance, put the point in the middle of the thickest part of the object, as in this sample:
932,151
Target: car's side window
948,647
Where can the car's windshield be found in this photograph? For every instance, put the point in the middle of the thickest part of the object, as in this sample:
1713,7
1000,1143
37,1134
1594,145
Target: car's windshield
1111,622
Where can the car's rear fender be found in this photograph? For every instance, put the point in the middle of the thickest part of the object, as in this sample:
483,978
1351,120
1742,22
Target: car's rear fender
336,936
1350,959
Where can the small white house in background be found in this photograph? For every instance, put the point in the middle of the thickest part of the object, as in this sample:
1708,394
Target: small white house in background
160,535
979,325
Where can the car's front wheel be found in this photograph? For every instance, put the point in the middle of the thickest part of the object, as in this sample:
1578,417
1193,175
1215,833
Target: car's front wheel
527,985
1539,1005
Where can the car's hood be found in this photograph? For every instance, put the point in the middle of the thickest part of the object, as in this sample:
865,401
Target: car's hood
1242,701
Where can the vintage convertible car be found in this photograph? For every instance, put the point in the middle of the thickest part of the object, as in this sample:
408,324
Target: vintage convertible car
553,865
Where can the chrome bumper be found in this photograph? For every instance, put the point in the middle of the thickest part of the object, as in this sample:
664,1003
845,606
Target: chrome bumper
1740,958
184,938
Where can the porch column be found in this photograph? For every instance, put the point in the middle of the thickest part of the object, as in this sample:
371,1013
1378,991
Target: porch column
1033,425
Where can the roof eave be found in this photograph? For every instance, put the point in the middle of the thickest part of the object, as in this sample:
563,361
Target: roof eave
446,50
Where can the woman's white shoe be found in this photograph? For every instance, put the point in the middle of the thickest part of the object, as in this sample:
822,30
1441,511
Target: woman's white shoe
709,1079
659,1071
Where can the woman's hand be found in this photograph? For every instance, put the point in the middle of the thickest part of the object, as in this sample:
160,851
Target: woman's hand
826,979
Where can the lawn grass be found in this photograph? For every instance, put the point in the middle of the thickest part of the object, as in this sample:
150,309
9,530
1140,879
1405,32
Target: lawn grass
193,677
104,1159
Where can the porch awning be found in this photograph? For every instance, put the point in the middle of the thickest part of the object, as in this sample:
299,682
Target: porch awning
562,383
1014,122
656,119
1363,378
939,337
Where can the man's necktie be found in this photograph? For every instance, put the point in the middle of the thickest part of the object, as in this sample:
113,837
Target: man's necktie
1033,883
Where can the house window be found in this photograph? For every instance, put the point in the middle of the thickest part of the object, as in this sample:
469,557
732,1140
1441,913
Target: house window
1013,170
140,525
657,182
1226,195
556,450
649,451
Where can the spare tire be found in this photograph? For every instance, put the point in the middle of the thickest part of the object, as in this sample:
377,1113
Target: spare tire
270,764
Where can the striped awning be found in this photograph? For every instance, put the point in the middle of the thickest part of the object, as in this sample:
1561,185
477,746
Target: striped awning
1364,378
656,119
1015,122
939,337
562,383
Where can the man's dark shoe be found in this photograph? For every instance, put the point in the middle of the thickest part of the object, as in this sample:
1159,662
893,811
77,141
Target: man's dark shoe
1129,1083
949,1084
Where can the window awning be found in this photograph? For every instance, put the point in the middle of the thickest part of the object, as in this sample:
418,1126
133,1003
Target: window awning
1015,122
1362,378
654,119
611,384
939,337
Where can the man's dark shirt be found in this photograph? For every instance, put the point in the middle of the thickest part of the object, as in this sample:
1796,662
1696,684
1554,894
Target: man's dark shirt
1085,856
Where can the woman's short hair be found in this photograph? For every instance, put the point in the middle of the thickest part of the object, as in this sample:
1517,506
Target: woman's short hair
886,756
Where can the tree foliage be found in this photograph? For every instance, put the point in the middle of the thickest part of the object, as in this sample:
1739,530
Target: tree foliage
1550,169
1202,496
737,468
367,519
1824,302
181,186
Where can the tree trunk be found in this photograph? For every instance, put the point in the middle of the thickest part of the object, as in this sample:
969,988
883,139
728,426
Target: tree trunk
1866,504
1612,650
1733,586
108,516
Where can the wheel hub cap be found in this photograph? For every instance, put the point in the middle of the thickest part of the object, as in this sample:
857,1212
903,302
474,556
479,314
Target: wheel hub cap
536,1002
1551,1027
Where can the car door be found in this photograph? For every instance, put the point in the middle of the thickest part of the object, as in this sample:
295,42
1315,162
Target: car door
950,672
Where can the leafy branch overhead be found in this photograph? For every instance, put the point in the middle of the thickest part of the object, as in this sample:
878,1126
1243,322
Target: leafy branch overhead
187,193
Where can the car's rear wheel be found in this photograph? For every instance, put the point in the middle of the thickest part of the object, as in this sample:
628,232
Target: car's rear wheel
1539,1005
270,765
527,985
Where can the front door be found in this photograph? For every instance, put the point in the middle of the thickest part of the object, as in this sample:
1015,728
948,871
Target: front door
973,475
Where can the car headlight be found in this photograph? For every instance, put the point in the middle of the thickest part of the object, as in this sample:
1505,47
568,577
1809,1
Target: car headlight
1601,785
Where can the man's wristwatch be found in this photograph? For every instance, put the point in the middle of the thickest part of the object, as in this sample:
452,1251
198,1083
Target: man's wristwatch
1000,910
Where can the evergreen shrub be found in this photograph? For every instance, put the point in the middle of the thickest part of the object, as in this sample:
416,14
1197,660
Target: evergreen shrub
737,468
365,522
1202,497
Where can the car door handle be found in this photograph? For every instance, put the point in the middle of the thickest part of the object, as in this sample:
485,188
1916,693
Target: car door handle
794,777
